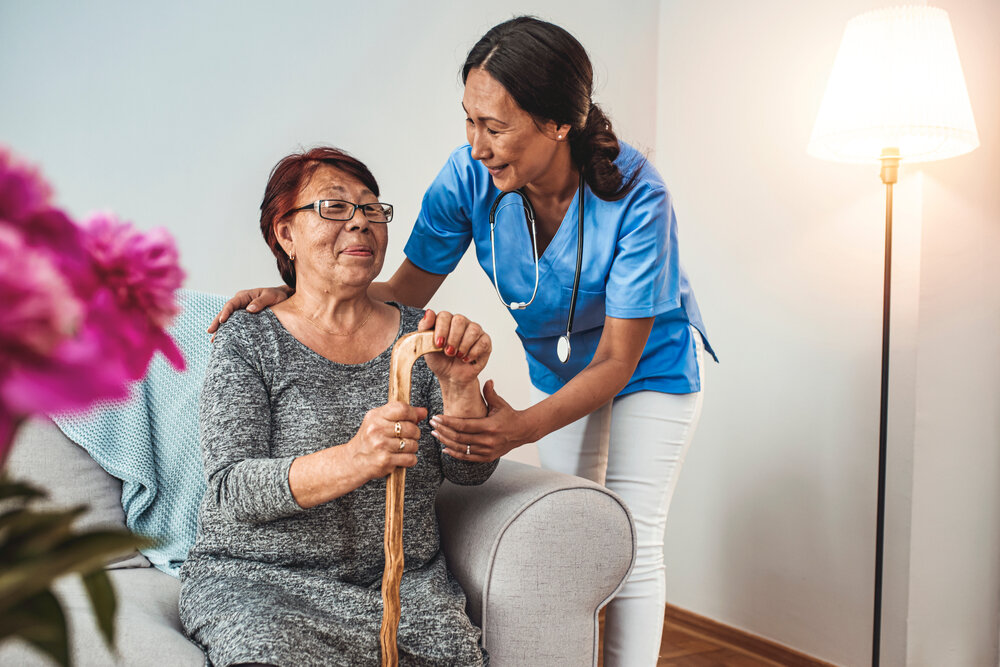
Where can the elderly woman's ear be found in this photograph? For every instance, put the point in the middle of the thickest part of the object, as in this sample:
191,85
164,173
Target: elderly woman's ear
283,232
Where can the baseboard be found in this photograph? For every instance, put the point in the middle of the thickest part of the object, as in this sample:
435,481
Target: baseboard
739,639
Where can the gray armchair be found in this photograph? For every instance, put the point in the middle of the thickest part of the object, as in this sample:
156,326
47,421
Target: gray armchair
537,552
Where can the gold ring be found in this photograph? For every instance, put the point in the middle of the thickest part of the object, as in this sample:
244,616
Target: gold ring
402,443
397,429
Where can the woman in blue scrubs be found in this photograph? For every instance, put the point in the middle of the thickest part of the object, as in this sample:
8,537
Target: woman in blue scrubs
623,408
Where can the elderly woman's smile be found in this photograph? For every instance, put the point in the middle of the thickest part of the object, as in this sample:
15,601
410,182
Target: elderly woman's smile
358,251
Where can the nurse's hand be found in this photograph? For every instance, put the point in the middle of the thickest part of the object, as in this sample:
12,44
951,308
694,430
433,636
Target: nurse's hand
487,438
253,300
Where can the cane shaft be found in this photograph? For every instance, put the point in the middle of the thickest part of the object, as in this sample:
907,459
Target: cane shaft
407,350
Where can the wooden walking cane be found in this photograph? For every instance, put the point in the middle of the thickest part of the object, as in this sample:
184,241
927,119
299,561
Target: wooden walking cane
405,352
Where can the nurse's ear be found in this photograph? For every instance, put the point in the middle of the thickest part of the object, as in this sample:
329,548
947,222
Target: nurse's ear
556,131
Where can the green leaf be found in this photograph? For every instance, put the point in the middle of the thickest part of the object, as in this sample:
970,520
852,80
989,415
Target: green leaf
27,533
78,553
10,489
40,621
12,517
103,602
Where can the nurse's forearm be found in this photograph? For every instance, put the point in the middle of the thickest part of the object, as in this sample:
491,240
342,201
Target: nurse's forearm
410,286
617,355
382,292
593,387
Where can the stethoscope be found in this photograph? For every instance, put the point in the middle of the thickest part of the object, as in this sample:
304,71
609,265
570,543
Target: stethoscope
563,347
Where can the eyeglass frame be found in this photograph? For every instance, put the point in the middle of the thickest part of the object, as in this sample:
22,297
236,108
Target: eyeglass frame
315,206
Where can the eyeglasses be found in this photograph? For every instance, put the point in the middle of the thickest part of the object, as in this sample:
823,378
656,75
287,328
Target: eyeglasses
338,209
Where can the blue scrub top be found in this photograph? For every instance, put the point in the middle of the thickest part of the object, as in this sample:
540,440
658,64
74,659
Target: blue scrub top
630,270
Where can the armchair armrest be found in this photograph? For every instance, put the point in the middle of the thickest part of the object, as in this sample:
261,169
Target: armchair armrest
535,551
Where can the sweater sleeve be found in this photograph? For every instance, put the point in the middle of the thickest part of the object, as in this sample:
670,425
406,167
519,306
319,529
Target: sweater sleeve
248,485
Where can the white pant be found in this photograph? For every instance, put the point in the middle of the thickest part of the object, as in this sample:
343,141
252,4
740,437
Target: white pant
635,446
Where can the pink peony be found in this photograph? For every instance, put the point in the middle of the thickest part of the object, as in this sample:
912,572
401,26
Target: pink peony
39,307
138,274
38,311
22,189
82,309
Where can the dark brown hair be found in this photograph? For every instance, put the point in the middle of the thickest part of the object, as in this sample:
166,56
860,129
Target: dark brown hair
548,73
283,185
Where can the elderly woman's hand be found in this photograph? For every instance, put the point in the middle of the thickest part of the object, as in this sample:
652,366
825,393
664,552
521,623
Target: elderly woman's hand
467,347
388,439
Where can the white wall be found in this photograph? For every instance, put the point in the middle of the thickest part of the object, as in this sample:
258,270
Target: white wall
955,549
174,113
772,529
773,523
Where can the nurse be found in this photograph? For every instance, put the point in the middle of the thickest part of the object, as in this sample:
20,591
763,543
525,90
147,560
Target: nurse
622,409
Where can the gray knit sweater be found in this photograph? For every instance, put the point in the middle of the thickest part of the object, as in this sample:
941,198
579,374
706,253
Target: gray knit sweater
268,581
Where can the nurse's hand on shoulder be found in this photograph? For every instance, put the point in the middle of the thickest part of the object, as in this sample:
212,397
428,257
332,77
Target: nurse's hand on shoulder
487,438
466,348
253,300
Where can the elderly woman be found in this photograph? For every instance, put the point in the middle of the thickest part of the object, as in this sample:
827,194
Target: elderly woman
297,441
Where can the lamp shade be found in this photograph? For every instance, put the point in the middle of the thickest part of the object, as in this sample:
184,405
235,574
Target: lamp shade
897,82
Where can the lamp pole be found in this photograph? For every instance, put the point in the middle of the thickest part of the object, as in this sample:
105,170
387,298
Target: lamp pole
890,173
913,104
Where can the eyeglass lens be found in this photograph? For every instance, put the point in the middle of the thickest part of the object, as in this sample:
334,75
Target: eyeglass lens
335,209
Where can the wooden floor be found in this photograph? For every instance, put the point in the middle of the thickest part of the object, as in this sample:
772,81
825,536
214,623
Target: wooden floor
683,648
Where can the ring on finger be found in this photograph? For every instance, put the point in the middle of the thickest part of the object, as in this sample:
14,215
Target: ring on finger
468,450
402,444
397,430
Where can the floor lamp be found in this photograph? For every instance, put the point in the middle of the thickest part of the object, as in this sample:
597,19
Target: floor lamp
896,92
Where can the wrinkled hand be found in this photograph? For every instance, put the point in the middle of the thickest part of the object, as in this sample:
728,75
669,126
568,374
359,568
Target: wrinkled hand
375,448
487,438
467,347
253,300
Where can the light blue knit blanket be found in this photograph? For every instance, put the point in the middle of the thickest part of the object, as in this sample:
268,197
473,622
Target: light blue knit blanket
150,440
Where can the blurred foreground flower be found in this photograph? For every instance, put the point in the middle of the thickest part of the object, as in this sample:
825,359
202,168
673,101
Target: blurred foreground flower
83,309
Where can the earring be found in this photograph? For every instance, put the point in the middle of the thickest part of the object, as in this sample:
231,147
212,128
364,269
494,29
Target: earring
291,255
560,136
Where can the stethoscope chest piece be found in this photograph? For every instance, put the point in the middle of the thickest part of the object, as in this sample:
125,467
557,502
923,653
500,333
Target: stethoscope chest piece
563,348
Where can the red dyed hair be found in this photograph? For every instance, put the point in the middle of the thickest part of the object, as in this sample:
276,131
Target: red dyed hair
283,186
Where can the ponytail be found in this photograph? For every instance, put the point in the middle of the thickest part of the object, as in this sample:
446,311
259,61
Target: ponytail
594,149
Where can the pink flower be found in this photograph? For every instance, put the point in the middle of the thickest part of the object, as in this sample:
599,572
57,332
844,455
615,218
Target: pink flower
22,189
39,307
137,274
141,270
82,309
38,312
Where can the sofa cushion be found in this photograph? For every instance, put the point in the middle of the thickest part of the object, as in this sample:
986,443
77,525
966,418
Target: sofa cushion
148,630
44,457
